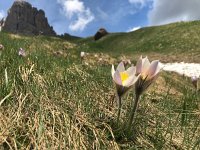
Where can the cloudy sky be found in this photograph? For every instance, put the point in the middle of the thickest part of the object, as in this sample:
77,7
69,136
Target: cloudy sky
84,17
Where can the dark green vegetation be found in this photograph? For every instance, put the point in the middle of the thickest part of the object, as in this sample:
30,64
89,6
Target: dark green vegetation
52,100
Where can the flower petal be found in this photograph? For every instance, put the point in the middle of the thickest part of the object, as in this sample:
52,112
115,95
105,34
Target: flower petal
153,68
121,67
117,78
113,71
158,69
131,71
139,66
145,66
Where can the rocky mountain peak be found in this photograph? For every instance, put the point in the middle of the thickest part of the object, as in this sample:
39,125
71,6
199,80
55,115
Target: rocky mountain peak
25,19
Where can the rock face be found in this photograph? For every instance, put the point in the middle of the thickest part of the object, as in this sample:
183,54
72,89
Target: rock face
2,22
25,19
100,33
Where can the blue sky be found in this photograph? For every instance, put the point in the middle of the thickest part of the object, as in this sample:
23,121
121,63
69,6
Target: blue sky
84,17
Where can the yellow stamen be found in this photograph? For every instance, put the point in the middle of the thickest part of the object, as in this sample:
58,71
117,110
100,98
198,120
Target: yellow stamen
144,76
124,76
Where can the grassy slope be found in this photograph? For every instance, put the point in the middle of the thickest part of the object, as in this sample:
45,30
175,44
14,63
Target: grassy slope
181,39
57,102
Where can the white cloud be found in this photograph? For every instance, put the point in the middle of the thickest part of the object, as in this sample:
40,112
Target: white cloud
140,3
72,7
2,14
76,9
82,21
133,29
164,12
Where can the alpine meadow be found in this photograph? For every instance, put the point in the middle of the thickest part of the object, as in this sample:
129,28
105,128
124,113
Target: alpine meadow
51,97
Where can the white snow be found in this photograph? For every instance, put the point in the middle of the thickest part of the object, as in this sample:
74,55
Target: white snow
187,69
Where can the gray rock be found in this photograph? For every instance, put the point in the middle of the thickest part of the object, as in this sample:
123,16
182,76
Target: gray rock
100,33
25,19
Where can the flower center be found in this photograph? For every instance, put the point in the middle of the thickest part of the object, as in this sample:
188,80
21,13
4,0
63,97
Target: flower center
143,76
124,76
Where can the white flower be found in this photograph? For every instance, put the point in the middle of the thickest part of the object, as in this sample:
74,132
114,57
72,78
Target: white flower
1,47
146,69
194,81
148,73
194,78
22,52
82,54
123,79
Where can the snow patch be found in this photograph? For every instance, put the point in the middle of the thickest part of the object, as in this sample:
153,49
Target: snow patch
187,69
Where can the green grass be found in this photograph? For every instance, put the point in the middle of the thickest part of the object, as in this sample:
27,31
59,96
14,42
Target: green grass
56,101
180,39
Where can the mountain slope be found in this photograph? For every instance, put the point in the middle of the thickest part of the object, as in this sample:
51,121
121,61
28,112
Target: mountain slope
176,38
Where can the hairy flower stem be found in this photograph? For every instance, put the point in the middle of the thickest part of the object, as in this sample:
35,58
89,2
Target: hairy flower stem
119,108
133,112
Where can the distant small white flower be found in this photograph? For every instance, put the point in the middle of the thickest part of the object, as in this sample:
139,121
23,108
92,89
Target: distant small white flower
1,47
123,79
194,78
194,81
21,52
82,54
148,73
